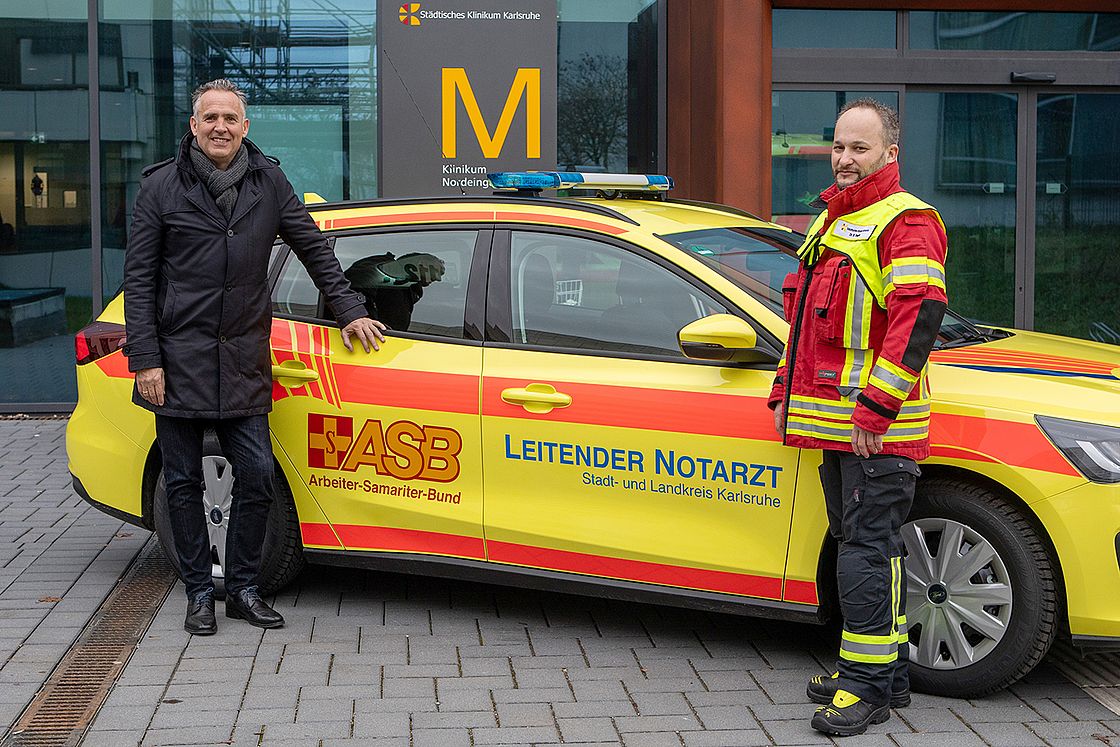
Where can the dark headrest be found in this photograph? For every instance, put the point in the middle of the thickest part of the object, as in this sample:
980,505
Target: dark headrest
538,282
636,281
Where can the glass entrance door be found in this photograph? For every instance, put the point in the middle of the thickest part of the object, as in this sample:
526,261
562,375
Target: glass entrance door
1077,215
1026,180
959,154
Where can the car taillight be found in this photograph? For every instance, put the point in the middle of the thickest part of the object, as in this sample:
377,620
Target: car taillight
97,340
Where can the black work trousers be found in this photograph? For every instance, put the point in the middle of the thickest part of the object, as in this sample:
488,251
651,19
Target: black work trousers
867,502
245,443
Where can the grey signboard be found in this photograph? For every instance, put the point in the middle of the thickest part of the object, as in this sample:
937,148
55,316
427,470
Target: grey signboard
466,87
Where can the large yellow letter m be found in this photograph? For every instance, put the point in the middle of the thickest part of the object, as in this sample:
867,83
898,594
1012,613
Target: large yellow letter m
527,82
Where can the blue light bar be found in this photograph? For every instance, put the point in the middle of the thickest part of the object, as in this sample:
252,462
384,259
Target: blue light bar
579,180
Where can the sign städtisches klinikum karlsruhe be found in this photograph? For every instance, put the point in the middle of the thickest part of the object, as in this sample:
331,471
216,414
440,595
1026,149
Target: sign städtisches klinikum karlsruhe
466,87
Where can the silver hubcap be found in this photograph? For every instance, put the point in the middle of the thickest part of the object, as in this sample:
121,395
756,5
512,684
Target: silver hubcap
217,499
958,594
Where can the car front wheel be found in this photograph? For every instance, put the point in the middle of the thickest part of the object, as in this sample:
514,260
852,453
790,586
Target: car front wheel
981,593
282,554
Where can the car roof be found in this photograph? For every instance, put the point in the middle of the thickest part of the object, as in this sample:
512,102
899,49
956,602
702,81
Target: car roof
613,216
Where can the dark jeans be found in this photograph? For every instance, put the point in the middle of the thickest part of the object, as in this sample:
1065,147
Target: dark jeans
246,445
867,501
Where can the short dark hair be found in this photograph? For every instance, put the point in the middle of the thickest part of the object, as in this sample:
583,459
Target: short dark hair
892,129
218,84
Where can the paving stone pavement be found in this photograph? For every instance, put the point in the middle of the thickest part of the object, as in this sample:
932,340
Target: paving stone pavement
383,659
59,558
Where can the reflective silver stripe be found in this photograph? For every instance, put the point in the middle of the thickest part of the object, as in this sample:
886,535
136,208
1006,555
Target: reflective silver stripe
855,312
914,408
855,373
913,274
809,408
796,423
907,276
917,430
837,409
874,649
883,374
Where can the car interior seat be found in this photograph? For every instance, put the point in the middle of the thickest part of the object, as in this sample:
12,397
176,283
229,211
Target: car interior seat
640,317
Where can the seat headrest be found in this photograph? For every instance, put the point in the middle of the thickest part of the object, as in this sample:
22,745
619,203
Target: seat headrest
636,281
538,283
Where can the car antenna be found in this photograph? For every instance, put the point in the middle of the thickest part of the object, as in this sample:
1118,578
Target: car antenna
418,109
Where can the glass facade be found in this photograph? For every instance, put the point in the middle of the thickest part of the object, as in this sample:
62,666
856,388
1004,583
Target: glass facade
305,65
308,68
45,242
607,86
801,148
1015,30
1022,169
1077,291
834,29
958,154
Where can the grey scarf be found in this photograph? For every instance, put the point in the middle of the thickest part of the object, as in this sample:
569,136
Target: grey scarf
222,184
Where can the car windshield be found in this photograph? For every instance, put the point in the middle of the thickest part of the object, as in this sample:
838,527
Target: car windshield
759,259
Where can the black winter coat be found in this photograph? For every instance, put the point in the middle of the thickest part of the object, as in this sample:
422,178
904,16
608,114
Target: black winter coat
196,285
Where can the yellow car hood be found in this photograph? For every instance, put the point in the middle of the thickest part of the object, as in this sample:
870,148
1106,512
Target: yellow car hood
1034,373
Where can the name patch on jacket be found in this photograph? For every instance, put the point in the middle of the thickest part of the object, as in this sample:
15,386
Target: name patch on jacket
824,374
846,230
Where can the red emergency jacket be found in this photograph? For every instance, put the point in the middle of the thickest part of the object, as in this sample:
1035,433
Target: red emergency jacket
864,309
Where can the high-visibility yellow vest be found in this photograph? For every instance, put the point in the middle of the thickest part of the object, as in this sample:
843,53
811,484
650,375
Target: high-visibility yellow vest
856,236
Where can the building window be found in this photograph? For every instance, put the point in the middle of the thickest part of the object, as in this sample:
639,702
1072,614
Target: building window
607,86
306,67
1015,30
45,255
834,29
801,148
958,154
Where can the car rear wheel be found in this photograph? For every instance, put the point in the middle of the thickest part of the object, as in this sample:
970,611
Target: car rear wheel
282,554
981,597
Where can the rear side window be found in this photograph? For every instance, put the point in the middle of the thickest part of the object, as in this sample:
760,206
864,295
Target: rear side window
413,281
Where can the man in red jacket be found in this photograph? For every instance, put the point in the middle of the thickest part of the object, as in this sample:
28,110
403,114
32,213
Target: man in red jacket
864,311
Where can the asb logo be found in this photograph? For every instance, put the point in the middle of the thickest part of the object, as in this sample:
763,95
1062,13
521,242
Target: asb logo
403,449
328,439
410,14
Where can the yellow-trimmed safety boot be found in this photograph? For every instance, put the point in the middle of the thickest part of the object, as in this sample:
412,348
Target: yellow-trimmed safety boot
848,715
822,687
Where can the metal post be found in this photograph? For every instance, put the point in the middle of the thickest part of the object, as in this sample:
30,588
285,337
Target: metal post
94,89
662,86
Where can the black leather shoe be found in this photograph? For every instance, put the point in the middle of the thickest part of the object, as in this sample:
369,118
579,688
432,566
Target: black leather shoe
247,605
821,689
848,715
200,614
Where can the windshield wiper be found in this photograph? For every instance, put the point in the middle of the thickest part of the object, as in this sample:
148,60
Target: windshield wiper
971,338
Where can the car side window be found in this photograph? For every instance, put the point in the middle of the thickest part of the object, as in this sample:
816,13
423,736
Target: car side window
295,294
575,292
413,281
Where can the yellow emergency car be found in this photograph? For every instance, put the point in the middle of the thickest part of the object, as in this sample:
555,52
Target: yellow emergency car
573,396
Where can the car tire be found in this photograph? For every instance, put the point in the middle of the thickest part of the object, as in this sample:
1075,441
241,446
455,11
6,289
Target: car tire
976,634
282,554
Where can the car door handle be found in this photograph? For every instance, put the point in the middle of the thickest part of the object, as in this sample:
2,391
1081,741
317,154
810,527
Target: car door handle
536,397
294,370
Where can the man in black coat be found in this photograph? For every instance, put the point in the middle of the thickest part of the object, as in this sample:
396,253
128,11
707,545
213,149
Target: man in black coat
198,317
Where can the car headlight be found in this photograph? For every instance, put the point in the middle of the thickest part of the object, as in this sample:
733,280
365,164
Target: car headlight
1093,449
